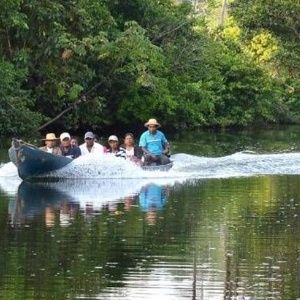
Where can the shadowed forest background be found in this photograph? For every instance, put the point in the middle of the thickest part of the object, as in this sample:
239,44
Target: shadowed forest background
114,63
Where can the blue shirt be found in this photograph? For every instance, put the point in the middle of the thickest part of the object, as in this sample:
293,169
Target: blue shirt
152,198
72,152
154,143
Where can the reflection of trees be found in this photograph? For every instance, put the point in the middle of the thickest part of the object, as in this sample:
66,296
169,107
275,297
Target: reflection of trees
261,220
245,227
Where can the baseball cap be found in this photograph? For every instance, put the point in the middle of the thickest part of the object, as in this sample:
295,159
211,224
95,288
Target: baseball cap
113,138
64,135
89,135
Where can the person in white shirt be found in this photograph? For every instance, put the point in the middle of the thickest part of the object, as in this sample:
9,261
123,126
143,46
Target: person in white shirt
90,146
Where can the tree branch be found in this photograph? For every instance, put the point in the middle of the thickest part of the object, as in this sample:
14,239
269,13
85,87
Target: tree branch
81,99
8,42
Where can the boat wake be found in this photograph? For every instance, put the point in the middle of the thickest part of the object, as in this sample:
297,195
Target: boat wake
97,181
185,166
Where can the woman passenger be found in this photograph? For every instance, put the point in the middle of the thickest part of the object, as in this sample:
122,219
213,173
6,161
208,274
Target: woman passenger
113,147
133,152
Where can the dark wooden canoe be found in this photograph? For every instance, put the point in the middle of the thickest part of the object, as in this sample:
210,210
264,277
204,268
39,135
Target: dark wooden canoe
33,162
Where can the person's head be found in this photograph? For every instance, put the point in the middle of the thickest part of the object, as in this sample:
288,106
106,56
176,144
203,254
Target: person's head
129,140
151,217
74,141
152,125
50,140
113,142
128,203
89,138
65,139
49,216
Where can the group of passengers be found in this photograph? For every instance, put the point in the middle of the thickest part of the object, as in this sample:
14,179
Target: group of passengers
153,148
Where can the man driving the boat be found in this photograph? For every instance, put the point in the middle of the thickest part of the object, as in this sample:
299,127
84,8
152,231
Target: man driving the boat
154,144
66,148
90,146
50,144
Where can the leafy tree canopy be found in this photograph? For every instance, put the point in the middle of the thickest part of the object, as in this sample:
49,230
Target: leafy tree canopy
118,63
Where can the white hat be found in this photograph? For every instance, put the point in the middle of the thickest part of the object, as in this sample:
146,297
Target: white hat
64,135
89,135
113,138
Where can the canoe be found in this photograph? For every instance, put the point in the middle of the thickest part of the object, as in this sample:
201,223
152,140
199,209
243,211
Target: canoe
33,162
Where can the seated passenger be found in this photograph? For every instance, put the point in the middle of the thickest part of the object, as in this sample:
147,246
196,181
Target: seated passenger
154,144
113,147
50,144
132,151
90,146
66,148
74,141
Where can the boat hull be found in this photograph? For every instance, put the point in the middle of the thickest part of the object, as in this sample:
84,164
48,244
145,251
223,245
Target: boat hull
162,168
33,162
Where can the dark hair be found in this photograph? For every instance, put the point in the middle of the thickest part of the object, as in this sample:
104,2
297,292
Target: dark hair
129,134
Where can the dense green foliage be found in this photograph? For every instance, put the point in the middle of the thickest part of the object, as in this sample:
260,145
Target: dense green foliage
131,60
280,20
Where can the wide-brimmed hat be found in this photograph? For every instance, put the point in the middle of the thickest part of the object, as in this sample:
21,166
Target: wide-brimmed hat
113,138
152,122
50,137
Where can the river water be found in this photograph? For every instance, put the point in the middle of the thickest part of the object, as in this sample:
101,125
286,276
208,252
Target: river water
224,223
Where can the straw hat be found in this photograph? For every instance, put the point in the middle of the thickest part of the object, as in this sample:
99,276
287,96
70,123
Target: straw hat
50,137
152,122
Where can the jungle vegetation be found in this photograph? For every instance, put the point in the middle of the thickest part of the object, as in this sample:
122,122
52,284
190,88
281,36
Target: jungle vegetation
207,63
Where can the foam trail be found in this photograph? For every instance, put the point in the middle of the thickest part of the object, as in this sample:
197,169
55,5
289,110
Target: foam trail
238,164
97,180
185,167
9,179
94,166
8,170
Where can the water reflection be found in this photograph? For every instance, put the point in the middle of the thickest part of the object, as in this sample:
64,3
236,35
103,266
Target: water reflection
152,198
35,199
214,239
60,201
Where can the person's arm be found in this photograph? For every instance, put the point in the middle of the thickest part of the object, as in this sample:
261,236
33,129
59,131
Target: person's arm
145,151
76,152
167,149
138,152
58,151
143,144
149,154
166,145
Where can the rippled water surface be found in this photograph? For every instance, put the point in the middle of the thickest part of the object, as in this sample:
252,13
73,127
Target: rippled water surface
214,227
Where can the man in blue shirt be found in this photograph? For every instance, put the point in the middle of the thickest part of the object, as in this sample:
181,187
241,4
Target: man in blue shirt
154,144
